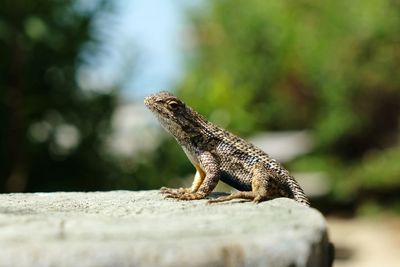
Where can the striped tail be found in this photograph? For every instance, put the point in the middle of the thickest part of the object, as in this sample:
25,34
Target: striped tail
298,193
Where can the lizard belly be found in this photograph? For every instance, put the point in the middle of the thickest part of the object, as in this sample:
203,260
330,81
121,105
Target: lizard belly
236,182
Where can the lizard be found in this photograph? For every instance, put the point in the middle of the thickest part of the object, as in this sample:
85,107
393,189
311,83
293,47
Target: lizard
218,154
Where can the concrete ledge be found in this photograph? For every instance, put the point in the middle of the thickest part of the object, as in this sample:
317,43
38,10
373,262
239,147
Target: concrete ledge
123,228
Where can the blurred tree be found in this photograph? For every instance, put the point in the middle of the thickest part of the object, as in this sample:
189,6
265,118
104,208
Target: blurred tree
284,65
51,132
329,66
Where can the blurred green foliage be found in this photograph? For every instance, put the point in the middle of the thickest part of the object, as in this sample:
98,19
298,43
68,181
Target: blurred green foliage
51,132
328,66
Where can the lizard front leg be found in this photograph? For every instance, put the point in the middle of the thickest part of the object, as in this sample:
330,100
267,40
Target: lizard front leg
202,187
197,181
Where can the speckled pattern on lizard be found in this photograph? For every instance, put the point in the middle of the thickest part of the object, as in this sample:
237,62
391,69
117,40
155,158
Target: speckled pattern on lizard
220,155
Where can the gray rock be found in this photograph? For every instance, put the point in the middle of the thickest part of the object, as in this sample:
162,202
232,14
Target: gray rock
123,228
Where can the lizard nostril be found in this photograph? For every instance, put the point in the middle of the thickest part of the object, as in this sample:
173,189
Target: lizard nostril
147,100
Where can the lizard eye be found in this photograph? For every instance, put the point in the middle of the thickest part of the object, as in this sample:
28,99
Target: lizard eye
173,105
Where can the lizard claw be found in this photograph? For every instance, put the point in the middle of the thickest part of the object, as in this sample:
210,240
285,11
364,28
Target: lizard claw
184,195
218,200
166,190
176,193
169,196
191,196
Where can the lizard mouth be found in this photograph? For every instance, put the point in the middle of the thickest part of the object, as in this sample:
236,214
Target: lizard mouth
147,101
152,106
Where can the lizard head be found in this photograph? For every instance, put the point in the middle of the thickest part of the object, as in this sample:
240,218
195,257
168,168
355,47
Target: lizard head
174,115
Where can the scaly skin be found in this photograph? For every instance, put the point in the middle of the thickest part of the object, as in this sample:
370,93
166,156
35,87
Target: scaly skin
220,155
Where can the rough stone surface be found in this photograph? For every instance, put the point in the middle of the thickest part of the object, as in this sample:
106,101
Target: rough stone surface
123,228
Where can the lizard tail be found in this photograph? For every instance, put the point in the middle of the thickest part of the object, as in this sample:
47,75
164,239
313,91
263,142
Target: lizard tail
298,193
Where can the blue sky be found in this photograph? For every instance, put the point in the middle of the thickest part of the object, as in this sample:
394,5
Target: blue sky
144,40
156,30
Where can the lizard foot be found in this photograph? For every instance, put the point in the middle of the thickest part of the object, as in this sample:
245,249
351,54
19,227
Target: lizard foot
166,190
186,196
219,199
237,195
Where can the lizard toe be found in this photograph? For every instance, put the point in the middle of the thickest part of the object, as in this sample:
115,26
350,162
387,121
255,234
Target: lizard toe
217,200
165,190
191,196
172,195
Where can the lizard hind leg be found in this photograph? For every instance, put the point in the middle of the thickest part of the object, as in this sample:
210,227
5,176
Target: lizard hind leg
258,194
241,195
259,187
